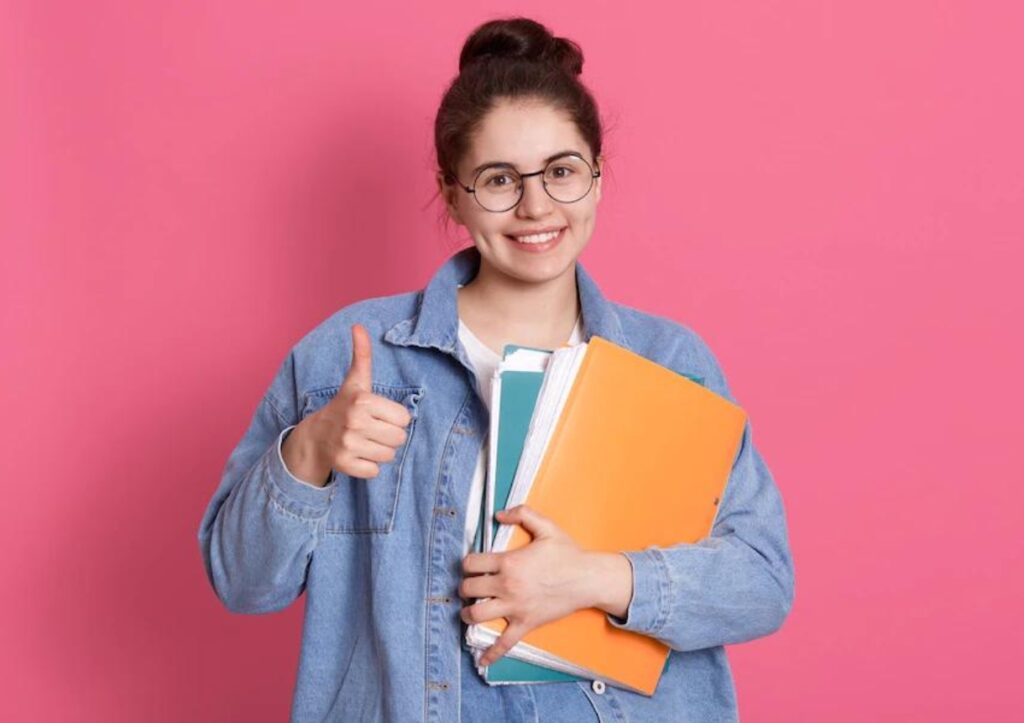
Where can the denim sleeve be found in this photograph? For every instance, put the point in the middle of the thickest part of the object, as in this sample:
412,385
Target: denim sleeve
261,526
733,586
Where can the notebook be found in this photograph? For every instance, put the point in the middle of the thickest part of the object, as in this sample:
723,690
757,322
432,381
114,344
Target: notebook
622,453
514,390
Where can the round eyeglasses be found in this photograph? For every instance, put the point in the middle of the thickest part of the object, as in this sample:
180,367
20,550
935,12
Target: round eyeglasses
499,188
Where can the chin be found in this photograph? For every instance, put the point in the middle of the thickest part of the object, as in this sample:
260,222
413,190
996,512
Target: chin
538,269
539,276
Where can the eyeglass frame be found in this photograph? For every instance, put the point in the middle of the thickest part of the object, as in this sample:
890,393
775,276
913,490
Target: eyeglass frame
522,184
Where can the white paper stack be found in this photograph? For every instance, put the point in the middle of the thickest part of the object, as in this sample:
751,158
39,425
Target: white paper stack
559,369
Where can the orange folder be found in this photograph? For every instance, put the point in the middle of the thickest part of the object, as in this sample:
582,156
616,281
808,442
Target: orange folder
640,456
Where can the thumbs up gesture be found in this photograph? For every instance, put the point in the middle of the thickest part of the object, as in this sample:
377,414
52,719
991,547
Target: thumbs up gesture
355,432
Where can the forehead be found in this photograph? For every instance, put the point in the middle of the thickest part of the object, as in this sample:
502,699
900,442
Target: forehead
523,133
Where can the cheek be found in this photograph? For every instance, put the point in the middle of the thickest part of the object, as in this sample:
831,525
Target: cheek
488,228
492,224
582,218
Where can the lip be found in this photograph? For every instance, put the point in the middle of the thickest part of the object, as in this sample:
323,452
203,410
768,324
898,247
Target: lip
539,248
530,232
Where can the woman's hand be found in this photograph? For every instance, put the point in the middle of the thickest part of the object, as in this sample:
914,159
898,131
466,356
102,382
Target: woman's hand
355,433
546,580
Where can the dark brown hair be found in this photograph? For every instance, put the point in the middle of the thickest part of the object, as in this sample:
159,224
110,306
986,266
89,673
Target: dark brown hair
512,58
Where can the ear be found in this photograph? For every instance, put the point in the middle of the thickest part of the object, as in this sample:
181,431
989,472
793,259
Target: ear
597,181
449,191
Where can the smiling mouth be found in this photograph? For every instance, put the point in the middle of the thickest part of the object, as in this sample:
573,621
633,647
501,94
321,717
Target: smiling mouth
537,238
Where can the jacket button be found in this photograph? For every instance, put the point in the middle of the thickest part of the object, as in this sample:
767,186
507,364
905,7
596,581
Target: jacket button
598,687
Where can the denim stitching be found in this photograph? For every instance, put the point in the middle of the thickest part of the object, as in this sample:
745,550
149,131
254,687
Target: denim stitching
665,591
269,399
288,513
403,390
284,502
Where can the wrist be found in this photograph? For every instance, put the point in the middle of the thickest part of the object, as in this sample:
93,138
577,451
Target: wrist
299,453
609,577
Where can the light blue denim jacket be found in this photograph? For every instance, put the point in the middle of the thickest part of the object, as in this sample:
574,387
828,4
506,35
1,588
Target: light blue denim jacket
380,560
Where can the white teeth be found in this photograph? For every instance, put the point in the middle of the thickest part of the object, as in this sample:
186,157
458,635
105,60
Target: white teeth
537,238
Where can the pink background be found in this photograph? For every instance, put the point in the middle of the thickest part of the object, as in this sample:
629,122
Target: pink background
830,193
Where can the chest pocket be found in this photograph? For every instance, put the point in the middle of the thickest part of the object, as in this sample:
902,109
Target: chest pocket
368,505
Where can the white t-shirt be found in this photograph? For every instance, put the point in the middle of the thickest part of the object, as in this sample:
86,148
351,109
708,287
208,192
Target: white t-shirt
485,361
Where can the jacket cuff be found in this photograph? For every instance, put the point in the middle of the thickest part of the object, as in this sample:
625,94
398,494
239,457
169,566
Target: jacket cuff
292,493
650,605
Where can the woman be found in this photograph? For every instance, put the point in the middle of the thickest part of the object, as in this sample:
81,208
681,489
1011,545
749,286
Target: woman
360,477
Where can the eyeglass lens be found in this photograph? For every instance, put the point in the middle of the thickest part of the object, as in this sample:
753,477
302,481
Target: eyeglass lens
566,179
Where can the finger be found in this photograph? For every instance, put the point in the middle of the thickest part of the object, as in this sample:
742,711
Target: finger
388,411
532,521
385,433
479,586
483,611
511,636
477,563
360,373
361,468
367,449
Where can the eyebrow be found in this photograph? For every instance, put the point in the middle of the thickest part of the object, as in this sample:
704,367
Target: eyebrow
506,164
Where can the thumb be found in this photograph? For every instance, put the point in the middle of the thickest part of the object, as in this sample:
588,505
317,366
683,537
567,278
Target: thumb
529,519
360,374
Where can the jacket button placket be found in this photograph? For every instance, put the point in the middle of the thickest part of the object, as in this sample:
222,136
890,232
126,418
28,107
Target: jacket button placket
444,645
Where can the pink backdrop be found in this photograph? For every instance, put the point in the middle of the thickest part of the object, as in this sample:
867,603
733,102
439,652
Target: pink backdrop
830,193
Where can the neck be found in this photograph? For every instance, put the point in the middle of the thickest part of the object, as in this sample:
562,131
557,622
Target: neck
525,313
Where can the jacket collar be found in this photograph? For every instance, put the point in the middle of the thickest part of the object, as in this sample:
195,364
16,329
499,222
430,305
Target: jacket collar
436,321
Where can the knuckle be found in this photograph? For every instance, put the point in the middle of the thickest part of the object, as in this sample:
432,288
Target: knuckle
508,565
350,418
512,588
352,469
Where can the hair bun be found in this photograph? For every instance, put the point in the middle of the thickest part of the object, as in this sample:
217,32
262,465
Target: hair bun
520,39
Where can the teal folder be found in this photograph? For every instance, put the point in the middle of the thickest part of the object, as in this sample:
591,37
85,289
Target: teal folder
519,391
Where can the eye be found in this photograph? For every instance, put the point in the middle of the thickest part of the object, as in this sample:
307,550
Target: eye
561,171
500,180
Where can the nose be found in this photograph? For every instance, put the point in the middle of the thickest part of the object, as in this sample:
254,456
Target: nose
535,202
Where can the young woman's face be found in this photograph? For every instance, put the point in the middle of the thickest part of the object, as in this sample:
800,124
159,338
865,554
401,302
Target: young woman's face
525,134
